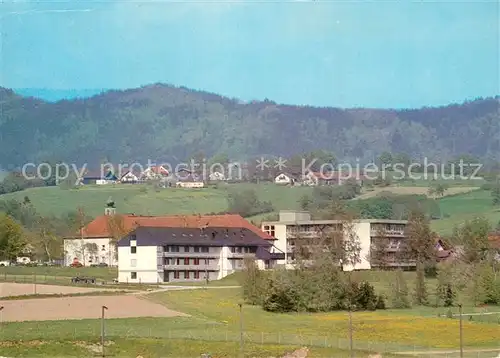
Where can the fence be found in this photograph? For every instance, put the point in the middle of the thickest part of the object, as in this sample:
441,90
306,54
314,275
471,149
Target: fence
115,329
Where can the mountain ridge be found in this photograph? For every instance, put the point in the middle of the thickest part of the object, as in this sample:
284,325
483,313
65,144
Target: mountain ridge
169,121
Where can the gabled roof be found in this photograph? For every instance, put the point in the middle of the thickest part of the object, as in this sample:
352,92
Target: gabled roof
159,170
99,227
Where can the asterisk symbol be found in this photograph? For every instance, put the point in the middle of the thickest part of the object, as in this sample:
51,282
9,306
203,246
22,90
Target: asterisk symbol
280,163
262,163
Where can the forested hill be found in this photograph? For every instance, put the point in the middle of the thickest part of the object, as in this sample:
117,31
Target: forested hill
160,122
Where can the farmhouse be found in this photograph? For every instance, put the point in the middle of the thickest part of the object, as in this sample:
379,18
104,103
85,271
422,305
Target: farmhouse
293,226
167,254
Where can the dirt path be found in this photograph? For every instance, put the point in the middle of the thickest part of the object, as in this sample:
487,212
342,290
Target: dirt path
21,289
64,308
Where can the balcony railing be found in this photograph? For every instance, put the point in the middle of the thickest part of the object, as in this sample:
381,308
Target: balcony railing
201,267
375,232
304,234
239,255
190,254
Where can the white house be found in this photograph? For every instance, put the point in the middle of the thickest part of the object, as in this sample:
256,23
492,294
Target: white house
190,184
169,254
129,177
283,179
294,226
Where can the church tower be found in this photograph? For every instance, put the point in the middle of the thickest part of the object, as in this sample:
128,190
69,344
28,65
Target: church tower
110,207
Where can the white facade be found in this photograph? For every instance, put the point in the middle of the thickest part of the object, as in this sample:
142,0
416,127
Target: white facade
294,225
129,177
190,184
90,251
151,264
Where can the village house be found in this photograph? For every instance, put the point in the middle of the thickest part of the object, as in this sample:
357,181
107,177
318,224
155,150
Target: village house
284,179
154,173
102,177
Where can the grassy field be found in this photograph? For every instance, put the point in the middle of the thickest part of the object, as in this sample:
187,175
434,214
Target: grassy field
464,207
143,199
214,327
461,202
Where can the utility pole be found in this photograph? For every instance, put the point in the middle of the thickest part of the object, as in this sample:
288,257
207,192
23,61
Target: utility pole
102,328
241,330
351,345
461,332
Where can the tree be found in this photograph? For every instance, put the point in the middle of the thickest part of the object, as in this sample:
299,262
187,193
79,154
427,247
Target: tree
378,251
445,289
117,229
495,193
385,159
12,240
91,249
400,292
473,235
45,238
420,248
246,203
252,282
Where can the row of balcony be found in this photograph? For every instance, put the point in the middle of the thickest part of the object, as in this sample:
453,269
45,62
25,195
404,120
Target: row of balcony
201,267
210,255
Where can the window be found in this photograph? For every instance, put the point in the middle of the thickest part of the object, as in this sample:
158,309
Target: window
133,275
233,249
133,263
186,261
178,261
174,248
197,274
196,261
186,248
196,249
103,248
133,249
176,274
186,274
204,249
166,248
207,261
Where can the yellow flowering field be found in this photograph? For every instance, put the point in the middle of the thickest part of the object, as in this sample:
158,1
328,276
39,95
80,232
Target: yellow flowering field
221,305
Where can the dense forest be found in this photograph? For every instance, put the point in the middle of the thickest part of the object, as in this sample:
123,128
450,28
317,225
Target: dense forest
162,122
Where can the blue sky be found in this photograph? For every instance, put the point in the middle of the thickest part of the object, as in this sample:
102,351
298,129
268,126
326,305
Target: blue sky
332,53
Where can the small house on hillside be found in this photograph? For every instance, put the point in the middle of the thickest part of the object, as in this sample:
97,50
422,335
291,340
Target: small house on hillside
284,179
99,178
154,172
129,177
216,176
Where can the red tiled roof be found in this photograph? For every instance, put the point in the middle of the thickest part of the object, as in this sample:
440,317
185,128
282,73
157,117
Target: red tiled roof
158,170
99,227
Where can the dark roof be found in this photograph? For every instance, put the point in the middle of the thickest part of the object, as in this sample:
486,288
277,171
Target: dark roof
211,236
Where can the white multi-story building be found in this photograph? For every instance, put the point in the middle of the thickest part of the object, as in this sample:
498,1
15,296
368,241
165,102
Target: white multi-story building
169,254
297,225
